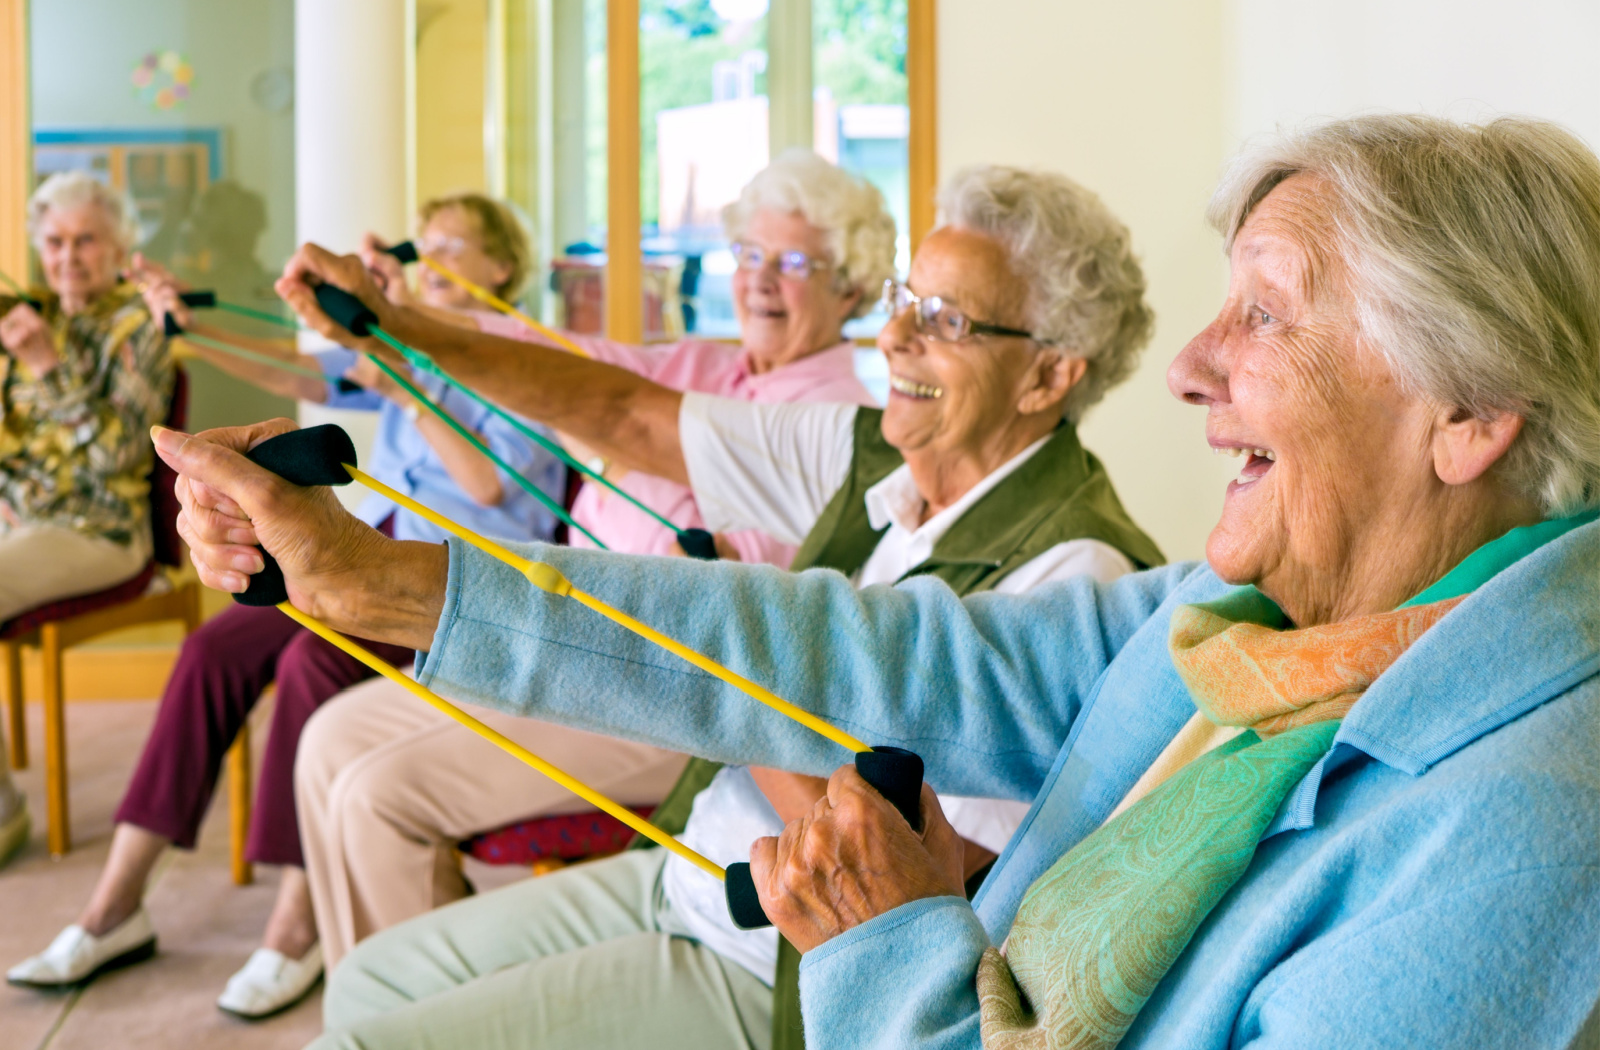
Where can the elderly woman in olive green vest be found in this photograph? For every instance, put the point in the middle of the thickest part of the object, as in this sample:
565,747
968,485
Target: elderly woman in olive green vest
1020,311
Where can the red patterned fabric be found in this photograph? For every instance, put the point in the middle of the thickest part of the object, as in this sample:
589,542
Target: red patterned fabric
571,836
67,608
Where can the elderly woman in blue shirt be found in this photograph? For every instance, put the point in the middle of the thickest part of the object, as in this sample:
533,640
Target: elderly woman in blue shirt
1336,786
224,666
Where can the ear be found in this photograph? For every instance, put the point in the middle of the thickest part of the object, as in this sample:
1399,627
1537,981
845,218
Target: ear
1466,446
1053,376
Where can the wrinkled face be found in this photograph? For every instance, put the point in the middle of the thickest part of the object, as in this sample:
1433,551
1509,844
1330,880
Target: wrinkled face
949,396
79,252
1333,455
782,318
452,238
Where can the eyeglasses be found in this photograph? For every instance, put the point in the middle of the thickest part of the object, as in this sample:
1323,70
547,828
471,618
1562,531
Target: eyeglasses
936,319
441,245
795,265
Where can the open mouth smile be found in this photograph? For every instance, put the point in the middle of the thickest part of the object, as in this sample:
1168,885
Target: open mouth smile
1257,462
920,391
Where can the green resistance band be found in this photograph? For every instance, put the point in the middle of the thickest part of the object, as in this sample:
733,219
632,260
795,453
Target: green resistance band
466,435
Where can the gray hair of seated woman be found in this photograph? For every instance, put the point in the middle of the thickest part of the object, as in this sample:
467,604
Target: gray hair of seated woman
74,189
1085,287
1474,251
848,208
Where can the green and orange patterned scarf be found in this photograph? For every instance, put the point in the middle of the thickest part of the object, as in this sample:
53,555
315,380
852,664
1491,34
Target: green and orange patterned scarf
1098,931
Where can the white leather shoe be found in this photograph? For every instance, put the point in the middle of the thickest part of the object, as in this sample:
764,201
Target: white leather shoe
269,982
77,955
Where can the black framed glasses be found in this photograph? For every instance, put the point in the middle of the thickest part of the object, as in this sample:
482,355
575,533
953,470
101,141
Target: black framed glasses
937,319
795,265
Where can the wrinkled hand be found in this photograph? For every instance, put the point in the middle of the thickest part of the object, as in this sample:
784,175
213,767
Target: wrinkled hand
161,290
851,859
26,337
369,376
387,272
312,265
230,505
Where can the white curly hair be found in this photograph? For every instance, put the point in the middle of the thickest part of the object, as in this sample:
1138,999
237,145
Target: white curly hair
1085,287
846,207
74,189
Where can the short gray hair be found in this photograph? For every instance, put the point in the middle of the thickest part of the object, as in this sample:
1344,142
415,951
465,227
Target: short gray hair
1085,287
74,189
846,207
1474,253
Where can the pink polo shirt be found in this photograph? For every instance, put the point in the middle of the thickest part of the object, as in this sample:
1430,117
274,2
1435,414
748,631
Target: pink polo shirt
710,368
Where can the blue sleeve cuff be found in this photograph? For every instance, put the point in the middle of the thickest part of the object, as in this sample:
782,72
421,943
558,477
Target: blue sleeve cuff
906,978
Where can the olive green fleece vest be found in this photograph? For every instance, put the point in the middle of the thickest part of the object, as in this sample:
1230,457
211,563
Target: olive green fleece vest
1061,493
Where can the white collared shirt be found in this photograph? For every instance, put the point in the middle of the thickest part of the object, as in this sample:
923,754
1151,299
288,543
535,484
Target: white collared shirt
775,467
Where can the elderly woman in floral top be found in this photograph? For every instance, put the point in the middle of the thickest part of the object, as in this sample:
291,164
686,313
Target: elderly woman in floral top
84,374
83,378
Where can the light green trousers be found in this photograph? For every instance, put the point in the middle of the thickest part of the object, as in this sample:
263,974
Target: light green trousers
590,956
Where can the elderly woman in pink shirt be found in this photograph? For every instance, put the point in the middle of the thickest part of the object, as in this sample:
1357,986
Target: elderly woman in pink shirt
385,786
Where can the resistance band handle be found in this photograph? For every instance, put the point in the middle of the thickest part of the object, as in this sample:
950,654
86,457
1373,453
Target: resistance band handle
313,456
29,301
346,310
893,772
198,300
405,252
698,543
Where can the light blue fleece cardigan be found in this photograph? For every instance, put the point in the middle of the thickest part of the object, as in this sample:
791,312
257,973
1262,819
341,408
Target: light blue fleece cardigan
1434,882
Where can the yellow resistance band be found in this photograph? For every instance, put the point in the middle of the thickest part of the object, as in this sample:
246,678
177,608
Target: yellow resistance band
445,707
548,578
483,295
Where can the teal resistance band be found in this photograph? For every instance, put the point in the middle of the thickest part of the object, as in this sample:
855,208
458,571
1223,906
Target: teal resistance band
208,300
418,359
251,355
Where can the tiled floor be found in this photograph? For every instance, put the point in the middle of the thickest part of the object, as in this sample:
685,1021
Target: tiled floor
206,925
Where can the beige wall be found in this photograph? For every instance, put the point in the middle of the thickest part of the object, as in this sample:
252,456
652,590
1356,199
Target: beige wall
1127,98
451,41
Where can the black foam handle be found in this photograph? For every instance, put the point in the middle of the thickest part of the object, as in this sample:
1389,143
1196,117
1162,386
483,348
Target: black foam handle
313,456
893,772
698,544
347,386
30,302
405,251
198,299
348,311
170,326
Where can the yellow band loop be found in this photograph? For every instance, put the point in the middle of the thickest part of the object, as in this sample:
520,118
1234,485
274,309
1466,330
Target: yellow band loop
548,578
488,298
504,743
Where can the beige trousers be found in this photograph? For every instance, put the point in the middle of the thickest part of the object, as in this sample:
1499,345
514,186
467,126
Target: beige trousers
385,787
42,563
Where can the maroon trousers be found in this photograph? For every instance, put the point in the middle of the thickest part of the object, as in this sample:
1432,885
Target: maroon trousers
221,672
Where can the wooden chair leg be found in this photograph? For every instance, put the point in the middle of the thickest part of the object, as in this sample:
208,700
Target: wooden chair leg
239,806
16,708
55,741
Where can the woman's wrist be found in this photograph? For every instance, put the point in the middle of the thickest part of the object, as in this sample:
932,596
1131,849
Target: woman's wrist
396,594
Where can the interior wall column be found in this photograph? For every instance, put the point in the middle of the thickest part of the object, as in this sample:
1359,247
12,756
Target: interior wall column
624,265
349,136
922,98
789,76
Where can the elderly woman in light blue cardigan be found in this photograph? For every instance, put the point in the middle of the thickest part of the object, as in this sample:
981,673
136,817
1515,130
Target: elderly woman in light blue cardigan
1336,786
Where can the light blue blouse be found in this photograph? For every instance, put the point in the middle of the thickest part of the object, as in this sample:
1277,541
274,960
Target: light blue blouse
402,459
1435,882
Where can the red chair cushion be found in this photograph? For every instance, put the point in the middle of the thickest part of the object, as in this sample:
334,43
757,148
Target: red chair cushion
571,836
67,608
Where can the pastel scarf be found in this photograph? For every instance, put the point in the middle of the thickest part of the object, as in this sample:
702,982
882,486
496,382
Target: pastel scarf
1098,931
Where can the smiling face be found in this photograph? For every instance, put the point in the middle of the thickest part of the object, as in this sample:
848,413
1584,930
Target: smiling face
453,238
79,253
1338,500
782,319
986,398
